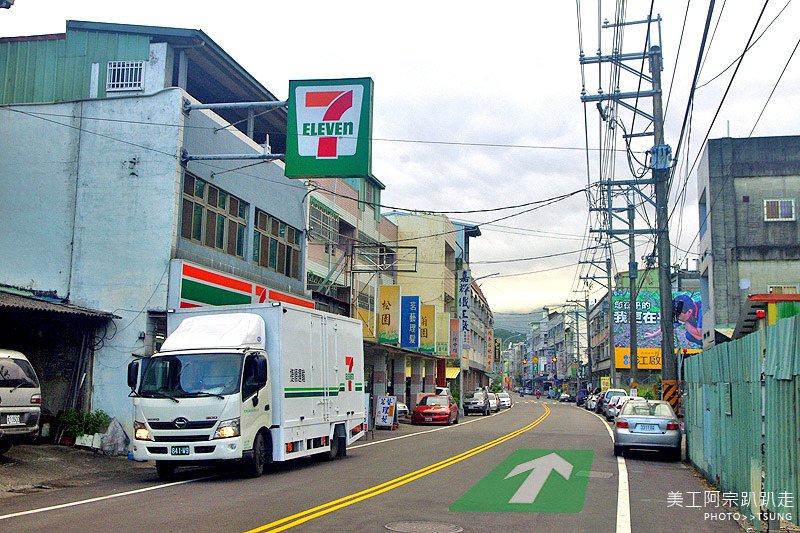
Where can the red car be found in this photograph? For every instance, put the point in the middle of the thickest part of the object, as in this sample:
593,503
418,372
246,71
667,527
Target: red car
435,409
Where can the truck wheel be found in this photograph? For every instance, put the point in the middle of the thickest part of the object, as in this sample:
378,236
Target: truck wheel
166,469
254,466
338,447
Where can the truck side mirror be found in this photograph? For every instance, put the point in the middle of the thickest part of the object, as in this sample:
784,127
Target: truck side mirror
133,374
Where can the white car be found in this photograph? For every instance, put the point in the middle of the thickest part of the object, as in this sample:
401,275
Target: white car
494,403
615,405
505,400
402,410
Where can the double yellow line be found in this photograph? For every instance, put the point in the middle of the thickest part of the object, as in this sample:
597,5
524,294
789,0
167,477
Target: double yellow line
321,510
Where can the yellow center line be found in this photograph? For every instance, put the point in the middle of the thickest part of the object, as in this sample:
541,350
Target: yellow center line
326,508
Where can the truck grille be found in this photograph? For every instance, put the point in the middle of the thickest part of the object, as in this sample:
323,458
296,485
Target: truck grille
180,438
192,424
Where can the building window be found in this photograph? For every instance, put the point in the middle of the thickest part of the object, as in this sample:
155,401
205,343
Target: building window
276,245
782,289
125,76
779,210
324,224
213,217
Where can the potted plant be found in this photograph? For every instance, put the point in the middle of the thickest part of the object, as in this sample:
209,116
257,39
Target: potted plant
76,424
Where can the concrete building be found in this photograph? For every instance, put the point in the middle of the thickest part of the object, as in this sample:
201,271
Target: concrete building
108,215
749,191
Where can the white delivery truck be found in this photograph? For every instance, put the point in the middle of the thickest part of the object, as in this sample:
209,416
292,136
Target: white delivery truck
251,384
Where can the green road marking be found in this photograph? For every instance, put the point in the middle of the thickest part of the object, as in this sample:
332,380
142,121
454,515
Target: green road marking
531,481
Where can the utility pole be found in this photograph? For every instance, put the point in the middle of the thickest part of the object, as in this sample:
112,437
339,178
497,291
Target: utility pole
632,275
588,343
612,356
660,157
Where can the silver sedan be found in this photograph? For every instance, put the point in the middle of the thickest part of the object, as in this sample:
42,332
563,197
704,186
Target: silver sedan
649,424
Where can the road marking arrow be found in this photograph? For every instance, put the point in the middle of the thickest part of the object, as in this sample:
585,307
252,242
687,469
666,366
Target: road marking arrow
540,469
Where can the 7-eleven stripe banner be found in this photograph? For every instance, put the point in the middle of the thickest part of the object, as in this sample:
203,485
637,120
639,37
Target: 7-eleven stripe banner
196,286
329,129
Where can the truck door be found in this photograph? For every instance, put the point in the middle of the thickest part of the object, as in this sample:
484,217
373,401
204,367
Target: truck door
332,373
319,367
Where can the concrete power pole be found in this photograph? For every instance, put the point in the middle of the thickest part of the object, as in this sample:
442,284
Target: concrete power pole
588,345
661,157
632,276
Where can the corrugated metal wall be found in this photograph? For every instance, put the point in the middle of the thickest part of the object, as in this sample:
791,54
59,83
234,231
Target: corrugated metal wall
723,400
58,70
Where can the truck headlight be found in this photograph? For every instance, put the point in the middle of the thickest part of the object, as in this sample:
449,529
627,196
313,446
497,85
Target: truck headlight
227,429
140,431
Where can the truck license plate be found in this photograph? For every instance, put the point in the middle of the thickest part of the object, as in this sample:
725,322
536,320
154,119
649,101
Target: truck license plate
179,450
12,419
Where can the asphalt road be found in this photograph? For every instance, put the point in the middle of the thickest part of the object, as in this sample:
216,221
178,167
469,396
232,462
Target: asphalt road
461,476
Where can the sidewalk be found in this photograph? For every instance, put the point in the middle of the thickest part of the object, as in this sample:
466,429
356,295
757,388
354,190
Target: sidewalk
36,467
25,469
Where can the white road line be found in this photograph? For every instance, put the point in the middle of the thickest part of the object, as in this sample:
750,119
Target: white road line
623,494
101,498
176,483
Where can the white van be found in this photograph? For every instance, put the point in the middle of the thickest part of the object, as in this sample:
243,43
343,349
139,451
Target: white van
20,399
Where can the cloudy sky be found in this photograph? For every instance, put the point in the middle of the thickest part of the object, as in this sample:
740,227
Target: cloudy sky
477,104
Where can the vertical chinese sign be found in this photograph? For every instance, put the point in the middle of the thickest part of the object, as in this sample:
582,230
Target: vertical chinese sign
427,329
464,292
442,333
455,335
409,321
389,314
490,349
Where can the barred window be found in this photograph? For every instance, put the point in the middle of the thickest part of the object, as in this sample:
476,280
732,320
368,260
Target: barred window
779,210
213,217
125,76
325,226
276,245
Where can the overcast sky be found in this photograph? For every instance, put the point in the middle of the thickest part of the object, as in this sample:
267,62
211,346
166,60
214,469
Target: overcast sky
452,77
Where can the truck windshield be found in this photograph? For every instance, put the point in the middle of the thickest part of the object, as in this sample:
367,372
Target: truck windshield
187,375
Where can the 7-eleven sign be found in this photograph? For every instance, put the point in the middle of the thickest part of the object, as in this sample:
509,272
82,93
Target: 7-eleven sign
329,128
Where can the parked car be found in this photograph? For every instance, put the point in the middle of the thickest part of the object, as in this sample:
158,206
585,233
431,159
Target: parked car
494,402
614,406
580,397
648,424
505,400
607,395
445,391
435,409
20,400
402,410
476,402
564,397
590,403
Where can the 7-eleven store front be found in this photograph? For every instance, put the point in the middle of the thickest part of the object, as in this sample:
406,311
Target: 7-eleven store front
191,285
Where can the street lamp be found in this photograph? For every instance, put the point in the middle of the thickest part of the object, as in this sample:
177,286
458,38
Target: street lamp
471,280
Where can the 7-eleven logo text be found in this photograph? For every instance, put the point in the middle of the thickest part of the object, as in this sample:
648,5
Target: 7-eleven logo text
328,120
349,376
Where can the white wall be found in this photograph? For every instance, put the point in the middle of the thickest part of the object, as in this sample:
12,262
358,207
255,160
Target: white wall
118,179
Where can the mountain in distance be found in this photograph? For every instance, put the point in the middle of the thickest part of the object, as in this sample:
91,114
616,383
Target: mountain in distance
515,323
